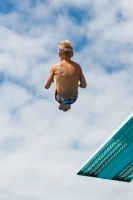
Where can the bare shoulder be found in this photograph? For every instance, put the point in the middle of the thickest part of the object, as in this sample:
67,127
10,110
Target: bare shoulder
56,65
76,65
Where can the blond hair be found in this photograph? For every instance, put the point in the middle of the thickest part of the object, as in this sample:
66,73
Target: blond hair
65,48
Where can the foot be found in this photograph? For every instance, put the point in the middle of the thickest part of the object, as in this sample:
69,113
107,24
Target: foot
61,107
66,108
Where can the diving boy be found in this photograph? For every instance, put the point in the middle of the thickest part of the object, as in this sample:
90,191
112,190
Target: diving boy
66,76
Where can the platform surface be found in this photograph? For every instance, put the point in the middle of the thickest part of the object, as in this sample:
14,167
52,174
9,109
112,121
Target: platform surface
114,159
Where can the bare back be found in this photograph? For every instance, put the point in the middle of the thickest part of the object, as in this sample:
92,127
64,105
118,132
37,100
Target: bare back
66,75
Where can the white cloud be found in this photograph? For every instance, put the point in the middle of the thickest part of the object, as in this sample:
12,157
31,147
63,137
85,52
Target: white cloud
41,148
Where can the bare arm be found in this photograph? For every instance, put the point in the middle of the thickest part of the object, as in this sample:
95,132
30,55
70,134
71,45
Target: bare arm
49,80
82,82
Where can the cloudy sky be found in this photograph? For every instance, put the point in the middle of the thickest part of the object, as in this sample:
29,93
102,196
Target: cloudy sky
42,148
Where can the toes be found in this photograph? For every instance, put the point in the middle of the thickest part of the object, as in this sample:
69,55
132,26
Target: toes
60,107
66,108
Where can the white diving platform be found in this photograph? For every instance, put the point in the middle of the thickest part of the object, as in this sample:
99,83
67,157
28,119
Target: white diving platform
114,159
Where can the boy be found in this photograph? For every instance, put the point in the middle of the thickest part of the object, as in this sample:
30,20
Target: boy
67,76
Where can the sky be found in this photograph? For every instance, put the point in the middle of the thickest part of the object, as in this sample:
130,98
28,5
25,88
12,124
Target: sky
42,148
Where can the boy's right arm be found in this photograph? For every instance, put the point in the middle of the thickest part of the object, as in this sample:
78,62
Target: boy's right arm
49,80
82,82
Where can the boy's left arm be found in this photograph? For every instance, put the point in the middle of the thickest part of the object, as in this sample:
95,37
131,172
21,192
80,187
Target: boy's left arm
49,80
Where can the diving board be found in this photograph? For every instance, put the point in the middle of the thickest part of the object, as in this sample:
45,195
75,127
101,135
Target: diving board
114,159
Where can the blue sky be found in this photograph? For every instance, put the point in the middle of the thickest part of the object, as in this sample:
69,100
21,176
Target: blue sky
41,148
6,7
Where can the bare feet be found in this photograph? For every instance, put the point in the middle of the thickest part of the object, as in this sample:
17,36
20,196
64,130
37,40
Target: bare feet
64,108
60,107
